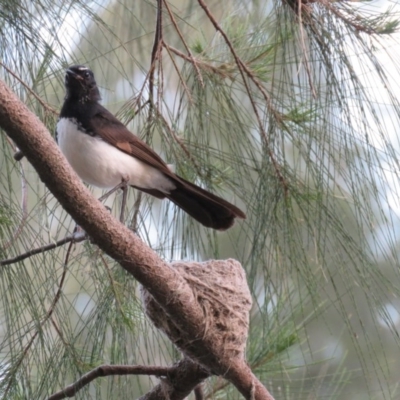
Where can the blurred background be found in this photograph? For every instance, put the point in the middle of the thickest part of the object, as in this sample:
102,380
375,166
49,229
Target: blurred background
289,110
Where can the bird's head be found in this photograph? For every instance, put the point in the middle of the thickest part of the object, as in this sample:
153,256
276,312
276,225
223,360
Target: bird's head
80,84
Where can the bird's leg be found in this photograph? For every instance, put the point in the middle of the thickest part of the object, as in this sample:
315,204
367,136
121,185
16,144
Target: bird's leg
114,189
124,188
78,233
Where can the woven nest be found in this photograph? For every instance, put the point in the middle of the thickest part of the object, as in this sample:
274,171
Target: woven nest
220,288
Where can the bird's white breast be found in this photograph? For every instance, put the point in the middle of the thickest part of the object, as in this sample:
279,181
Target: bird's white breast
101,164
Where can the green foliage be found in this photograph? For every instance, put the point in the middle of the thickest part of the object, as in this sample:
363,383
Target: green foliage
5,221
297,126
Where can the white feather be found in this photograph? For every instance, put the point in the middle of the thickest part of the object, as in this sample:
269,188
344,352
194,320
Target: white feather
100,164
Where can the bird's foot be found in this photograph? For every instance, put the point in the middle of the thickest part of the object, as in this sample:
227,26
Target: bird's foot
124,186
120,185
78,234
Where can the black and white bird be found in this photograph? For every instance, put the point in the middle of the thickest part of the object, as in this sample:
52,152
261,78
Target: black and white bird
103,152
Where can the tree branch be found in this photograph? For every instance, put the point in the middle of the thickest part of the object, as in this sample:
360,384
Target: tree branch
181,379
76,238
107,370
167,286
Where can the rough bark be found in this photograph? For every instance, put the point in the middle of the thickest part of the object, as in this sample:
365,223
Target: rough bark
183,378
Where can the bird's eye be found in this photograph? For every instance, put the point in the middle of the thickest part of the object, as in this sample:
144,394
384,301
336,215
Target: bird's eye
87,74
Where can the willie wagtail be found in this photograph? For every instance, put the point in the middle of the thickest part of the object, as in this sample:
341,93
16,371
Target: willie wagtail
103,152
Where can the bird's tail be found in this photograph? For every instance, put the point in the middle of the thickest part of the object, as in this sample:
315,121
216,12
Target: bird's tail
208,209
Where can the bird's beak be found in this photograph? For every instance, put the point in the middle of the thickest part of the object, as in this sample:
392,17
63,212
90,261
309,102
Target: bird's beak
73,74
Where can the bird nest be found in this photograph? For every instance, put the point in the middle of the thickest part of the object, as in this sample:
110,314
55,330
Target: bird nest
221,290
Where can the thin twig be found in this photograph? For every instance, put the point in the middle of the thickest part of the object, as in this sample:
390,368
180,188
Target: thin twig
24,207
243,69
140,93
198,392
45,319
108,370
75,238
307,63
242,66
203,64
179,74
338,13
160,79
43,104
58,330
155,53
136,206
112,283
192,59
17,153
130,105
183,147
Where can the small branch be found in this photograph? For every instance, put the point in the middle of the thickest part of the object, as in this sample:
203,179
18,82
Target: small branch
198,392
42,103
192,59
107,370
203,64
24,207
305,53
136,207
243,69
242,66
181,144
130,105
58,330
357,27
60,285
75,238
180,75
45,319
155,53
160,79
112,284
